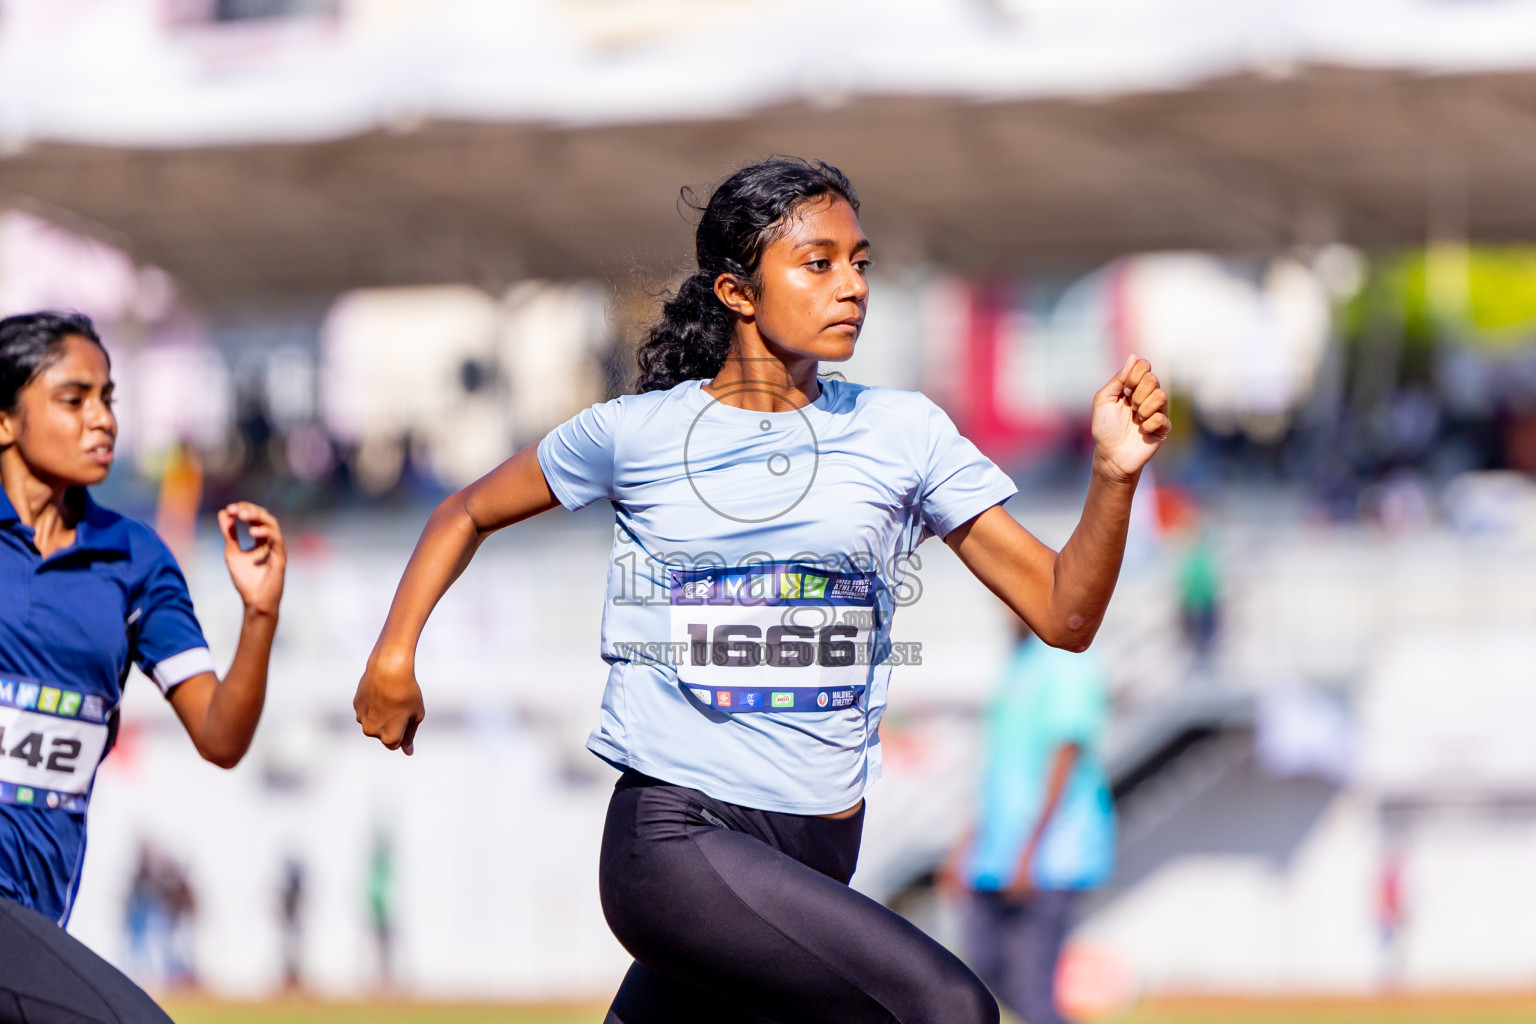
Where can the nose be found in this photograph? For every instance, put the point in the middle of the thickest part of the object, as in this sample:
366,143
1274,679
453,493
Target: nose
101,417
854,286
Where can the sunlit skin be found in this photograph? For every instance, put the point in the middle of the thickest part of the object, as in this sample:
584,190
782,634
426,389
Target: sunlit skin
806,307
62,436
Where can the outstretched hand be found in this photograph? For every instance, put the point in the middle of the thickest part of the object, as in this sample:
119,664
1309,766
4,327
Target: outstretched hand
1130,419
257,573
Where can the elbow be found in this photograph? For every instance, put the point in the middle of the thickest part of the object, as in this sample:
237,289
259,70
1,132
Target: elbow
1074,643
225,758
453,512
1072,636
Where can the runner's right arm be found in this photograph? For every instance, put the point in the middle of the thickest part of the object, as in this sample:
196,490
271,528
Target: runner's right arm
388,701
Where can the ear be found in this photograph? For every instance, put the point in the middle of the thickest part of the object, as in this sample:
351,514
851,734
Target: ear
732,291
8,427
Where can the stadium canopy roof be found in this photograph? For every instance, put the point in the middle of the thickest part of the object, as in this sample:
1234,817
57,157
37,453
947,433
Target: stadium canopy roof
487,140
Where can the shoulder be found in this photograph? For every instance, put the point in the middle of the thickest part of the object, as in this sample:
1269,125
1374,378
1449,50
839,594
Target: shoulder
638,406
138,541
851,397
650,403
147,545
908,420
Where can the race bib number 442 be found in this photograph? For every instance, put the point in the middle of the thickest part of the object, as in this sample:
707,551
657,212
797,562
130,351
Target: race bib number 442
774,638
50,743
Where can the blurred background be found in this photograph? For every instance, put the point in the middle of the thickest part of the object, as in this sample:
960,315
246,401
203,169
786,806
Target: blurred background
349,254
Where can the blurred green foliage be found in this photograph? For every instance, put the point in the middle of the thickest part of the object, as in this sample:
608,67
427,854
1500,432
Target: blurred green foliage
1483,296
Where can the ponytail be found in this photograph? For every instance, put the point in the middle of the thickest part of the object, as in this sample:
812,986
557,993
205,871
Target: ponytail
691,339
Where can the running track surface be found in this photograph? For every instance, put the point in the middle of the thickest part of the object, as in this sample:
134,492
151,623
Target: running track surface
1451,1009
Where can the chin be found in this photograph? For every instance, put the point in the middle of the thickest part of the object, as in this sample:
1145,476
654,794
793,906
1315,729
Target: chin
92,476
837,352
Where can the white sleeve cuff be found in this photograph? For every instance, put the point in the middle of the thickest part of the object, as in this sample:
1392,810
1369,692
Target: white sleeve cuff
178,668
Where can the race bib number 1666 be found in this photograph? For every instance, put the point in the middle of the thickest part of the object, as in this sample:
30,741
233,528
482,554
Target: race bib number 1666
774,637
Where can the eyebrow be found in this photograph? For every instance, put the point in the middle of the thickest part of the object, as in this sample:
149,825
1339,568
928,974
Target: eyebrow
814,243
85,384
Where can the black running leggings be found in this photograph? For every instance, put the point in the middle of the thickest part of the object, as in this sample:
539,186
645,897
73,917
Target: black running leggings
49,977
739,915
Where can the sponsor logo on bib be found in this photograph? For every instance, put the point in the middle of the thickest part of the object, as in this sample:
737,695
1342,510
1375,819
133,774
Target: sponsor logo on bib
802,585
723,698
699,589
851,586
701,695
821,699
783,700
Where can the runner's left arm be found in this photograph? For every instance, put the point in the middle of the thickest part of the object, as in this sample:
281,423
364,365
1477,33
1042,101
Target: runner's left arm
221,715
1063,595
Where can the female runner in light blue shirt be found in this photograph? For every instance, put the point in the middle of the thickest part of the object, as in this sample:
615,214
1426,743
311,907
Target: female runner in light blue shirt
765,523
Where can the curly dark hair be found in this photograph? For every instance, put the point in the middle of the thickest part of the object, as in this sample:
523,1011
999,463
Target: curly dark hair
29,344
692,336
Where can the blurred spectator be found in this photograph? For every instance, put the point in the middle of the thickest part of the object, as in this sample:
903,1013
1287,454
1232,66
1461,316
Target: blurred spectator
159,918
1391,914
381,914
1200,597
181,495
291,910
139,913
1045,828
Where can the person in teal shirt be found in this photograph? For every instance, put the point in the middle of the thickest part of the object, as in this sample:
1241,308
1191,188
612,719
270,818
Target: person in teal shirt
1045,826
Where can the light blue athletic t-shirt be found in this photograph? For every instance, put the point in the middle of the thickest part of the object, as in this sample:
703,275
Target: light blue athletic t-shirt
758,559
1048,697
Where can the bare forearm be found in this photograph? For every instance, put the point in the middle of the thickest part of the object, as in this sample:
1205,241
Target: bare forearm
1063,595
234,706
448,543
1086,568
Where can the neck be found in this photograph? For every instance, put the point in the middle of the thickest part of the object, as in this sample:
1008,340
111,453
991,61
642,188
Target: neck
38,504
758,379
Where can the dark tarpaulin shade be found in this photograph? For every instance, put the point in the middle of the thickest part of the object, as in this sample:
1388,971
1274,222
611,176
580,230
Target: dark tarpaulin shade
1243,163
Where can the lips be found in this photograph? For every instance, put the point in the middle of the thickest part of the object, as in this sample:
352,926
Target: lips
100,454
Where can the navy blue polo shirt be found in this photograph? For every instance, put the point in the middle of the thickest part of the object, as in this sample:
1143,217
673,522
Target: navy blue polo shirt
70,625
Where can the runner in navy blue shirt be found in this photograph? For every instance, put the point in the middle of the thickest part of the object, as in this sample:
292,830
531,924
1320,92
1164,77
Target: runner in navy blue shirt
84,594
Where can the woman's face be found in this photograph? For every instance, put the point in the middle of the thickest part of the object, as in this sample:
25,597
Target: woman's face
813,291
63,427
